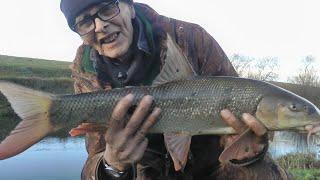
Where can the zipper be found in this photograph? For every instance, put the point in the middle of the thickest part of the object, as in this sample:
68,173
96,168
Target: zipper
121,78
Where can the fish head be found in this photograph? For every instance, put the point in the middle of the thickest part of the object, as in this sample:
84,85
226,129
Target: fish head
288,111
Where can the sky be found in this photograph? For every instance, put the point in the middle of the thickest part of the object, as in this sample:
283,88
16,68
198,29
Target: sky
286,29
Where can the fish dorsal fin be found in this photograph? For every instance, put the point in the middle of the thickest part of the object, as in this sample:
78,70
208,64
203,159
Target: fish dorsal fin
176,65
178,145
240,149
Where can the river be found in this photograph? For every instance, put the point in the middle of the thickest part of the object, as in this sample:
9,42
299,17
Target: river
50,159
63,159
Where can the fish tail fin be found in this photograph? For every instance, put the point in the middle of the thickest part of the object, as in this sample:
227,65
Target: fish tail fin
33,108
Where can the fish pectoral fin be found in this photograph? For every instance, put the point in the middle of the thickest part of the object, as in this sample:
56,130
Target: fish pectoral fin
178,145
240,148
84,128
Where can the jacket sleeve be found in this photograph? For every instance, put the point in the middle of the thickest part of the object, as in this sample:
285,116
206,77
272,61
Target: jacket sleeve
265,169
94,170
210,57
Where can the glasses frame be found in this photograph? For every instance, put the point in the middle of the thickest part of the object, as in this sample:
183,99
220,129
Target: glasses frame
96,15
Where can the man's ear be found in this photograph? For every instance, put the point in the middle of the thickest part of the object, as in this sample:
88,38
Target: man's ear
88,39
85,41
132,12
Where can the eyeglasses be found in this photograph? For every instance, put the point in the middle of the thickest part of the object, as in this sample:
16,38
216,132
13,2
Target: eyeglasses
107,12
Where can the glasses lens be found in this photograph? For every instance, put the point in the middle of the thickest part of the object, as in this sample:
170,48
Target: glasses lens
109,11
85,26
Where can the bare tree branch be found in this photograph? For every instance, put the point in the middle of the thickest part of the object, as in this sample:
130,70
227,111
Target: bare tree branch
308,75
261,69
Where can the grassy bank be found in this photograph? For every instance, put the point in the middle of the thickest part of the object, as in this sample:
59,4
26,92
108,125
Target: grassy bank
305,174
301,166
29,67
40,74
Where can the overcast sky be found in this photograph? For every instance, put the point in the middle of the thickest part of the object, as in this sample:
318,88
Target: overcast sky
287,29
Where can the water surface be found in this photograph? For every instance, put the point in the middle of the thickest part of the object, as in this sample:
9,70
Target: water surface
50,159
63,159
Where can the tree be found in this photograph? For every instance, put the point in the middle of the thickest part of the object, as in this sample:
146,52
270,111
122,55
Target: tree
261,69
308,75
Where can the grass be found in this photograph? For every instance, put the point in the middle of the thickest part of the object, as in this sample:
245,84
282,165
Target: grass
52,85
299,160
305,174
28,67
301,166
40,74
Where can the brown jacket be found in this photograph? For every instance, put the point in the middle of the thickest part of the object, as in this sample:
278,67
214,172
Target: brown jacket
206,58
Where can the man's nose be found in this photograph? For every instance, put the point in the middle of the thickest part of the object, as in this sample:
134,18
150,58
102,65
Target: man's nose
100,25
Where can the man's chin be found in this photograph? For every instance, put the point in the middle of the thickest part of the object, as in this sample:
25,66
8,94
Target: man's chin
111,53
114,52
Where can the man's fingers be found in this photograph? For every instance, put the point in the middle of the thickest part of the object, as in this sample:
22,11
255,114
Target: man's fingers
117,122
139,151
141,134
248,119
151,120
254,124
121,109
134,151
232,121
139,115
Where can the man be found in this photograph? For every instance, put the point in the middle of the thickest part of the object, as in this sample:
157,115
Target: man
129,44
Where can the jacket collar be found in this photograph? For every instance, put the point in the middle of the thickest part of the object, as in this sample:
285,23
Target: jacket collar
142,42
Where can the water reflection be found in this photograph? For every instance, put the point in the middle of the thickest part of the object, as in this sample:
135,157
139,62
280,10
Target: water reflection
50,159
291,142
63,159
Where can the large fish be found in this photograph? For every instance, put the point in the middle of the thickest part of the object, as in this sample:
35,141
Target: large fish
189,107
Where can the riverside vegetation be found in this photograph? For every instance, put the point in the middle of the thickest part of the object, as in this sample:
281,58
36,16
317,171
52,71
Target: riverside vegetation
55,77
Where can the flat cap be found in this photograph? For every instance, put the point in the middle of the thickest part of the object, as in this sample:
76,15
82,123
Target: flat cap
72,8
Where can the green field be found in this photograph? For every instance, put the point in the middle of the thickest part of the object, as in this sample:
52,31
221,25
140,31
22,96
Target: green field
45,75
305,174
28,67
301,166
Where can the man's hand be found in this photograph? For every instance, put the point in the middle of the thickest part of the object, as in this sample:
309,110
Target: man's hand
126,142
248,121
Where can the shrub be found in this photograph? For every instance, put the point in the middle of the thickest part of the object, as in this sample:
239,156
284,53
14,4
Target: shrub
298,161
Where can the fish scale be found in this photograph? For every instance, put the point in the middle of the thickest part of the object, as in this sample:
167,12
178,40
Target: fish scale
189,106
197,103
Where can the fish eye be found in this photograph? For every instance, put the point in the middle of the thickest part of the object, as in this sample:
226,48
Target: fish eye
293,107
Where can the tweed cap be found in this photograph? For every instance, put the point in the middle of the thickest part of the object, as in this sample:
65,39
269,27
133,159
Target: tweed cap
72,8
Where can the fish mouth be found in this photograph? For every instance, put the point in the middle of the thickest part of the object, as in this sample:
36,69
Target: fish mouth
312,130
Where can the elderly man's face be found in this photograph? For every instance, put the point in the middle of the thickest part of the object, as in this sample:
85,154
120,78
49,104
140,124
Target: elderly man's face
110,38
